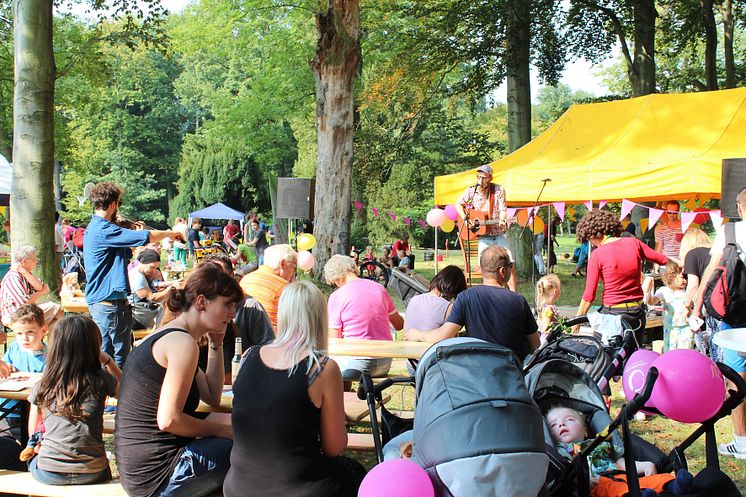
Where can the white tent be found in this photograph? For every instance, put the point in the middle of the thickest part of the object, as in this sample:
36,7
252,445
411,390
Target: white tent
6,176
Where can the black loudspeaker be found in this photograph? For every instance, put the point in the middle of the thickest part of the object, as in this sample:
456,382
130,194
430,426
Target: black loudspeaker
733,181
407,285
295,198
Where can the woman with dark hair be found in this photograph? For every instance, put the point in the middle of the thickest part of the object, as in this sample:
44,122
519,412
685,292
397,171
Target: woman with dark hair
618,263
163,447
429,311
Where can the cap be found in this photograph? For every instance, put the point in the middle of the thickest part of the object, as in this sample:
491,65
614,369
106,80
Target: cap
148,255
486,169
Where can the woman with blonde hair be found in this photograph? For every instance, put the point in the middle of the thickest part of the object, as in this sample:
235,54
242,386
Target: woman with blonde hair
288,406
548,290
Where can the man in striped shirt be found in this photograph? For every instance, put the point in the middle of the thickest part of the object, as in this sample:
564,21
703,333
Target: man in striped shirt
20,287
266,283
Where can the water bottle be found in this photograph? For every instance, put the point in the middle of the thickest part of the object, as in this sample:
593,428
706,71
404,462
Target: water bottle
236,361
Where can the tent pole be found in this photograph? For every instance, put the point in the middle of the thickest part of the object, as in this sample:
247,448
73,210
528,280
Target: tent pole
436,250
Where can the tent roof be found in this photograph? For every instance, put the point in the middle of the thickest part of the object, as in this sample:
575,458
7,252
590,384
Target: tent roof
646,148
218,211
6,176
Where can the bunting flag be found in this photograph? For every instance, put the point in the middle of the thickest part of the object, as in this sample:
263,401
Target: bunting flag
654,215
691,204
375,211
560,208
627,207
588,204
423,224
601,204
392,215
511,213
717,218
686,219
644,225
571,213
407,221
358,205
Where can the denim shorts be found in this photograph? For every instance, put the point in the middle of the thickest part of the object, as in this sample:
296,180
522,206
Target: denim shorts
500,240
201,469
55,478
353,367
731,357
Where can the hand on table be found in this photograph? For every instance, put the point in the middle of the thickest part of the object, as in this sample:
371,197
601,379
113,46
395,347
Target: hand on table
412,335
5,369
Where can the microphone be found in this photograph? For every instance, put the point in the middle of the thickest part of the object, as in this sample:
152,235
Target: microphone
547,179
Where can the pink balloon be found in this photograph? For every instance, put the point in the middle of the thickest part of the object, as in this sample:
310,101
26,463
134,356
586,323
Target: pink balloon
305,260
436,217
636,372
451,212
690,387
396,478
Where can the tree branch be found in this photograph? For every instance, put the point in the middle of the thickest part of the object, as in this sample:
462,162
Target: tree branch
618,28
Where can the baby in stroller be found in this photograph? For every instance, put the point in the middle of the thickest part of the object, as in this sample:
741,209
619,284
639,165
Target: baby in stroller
571,434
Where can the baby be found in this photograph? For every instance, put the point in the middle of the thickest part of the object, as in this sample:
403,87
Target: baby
570,432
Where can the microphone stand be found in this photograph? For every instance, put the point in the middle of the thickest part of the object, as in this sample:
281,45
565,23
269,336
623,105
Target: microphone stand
468,235
533,242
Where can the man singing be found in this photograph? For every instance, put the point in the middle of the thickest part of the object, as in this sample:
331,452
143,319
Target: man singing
489,198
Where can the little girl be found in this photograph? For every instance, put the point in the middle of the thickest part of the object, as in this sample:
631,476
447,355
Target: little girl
548,290
676,331
70,399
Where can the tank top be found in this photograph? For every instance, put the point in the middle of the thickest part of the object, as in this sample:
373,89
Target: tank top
146,456
276,430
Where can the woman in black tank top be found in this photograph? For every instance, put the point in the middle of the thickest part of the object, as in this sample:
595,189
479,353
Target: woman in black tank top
156,442
288,410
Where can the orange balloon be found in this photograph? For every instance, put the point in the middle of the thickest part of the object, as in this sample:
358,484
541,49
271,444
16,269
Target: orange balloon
522,217
538,226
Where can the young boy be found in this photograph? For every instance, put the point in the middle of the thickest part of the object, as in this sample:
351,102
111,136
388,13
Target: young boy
570,432
26,353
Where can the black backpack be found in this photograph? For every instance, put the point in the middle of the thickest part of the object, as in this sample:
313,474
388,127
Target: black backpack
725,294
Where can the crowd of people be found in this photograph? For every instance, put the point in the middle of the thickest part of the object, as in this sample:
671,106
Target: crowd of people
288,394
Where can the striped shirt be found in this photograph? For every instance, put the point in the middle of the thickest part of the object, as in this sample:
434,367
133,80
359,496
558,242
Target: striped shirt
473,198
266,287
670,239
15,291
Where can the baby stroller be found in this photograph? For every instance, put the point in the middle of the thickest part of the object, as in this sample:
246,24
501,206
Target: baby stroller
559,383
476,431
602,361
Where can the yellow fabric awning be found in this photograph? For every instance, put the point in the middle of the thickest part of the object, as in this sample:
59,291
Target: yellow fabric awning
647,148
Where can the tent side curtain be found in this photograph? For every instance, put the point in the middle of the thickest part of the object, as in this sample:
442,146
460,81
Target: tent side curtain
218,211
646,148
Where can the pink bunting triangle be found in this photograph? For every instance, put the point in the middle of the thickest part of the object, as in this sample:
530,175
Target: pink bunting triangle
627,207
392,215
407,221
422,223
510,212
717,218
560,208
601,204
375,211
686,219
358,205
588,205
654,215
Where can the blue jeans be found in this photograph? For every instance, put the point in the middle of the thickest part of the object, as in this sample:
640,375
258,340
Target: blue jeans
353,367
500,240
713,328
54,478
731,357
201,469
115,322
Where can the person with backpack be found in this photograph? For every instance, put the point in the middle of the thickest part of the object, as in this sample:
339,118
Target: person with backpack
723,292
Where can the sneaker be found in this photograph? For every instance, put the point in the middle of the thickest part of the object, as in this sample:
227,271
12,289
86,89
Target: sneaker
110,409
731,449
640,416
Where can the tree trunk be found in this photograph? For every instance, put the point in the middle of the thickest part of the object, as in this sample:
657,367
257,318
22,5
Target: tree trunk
726,11
335,66
711,44
32,197
518,81
643,77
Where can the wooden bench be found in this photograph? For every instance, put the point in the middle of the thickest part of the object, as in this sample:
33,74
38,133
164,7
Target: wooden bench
471,259
14,482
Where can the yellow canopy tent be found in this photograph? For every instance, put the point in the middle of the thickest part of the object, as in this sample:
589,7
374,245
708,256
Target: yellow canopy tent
645,148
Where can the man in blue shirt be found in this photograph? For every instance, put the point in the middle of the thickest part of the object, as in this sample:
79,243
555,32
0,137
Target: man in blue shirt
107,249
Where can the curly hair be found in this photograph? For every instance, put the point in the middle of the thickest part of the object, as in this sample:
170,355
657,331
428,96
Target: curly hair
103,194
597,224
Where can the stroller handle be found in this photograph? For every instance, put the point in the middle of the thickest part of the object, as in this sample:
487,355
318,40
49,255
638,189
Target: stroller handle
367,385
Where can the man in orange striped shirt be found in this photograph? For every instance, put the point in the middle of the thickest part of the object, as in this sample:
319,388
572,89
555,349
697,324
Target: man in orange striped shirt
266,283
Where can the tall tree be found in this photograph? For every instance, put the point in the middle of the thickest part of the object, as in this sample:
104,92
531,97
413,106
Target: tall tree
32,196
594,26
335,67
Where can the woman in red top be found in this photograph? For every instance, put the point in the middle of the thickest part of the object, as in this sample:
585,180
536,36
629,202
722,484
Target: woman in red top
618,263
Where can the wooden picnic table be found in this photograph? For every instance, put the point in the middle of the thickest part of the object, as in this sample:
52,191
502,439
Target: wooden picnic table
382,349
74,304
